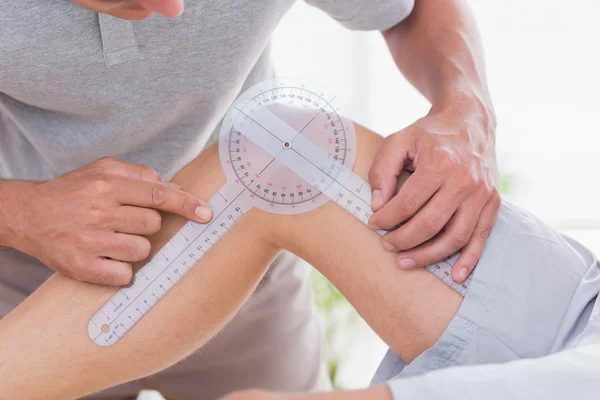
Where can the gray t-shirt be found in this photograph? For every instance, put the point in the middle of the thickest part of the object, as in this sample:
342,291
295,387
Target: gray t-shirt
76,86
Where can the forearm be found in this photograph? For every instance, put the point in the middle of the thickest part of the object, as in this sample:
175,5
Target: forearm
438,49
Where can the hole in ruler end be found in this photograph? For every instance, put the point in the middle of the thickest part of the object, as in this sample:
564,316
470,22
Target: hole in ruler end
105,328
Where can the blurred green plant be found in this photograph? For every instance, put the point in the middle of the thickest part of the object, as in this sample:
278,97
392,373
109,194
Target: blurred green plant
338,316
507,184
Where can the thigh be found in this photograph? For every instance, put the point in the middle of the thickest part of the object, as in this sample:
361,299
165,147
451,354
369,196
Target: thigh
275,342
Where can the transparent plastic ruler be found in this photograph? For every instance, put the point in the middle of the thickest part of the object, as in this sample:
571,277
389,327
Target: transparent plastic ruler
166,268
285,149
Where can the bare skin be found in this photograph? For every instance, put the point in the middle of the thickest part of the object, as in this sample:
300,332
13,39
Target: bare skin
51,325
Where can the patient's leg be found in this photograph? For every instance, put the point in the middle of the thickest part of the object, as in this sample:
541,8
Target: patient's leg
45,351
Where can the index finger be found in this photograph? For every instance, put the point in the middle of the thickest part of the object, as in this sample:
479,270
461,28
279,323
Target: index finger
161,196
411,197
427,223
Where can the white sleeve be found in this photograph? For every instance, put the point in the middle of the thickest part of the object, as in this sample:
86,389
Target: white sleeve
572,374
366,14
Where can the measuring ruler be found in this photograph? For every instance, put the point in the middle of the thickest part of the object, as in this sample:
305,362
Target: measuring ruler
285,149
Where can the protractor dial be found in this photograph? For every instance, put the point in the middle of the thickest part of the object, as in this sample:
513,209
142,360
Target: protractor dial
308,110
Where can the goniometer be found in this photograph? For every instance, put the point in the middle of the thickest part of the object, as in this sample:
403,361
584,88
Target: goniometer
285,148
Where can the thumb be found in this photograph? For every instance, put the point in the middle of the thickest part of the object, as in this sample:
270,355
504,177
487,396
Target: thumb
388,164
168,8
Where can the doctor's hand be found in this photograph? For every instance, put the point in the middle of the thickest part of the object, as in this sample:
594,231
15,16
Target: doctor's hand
90,223
451,200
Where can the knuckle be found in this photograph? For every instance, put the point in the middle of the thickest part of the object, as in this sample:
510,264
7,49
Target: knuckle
394,137
467,183
496,200
149,172
434,224
484,233
398,137
126,276
460,238
102,184
183,204
153,222
410,204
159,196
88,240
98,217
145,248
376,171
375,175
77,267
397,239
469,259
486,188
69,267
138,249
106,163
446,161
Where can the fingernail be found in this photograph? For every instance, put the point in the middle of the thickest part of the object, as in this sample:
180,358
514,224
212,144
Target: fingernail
387,245
407,263
173,185
462,274
376,199
204,213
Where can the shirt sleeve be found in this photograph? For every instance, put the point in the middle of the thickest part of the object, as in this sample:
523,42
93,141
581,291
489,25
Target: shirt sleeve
366,15
570,374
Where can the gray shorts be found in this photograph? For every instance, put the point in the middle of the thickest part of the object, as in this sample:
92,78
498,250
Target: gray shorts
531,294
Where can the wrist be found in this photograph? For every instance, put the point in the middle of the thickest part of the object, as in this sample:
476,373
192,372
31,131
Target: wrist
11,197
469,102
